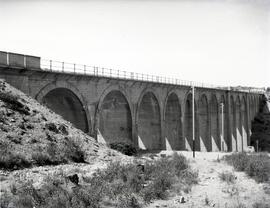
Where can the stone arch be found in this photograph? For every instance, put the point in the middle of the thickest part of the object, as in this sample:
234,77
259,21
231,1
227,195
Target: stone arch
65,99
188,134
225,141
214,123
114,117
244,123
203,114
149,121
238,124
173,123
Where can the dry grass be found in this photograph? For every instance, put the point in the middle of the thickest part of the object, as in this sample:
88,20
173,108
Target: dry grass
255,165
228,177
119,185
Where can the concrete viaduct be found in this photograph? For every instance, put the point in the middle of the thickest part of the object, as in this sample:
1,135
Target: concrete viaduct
150,113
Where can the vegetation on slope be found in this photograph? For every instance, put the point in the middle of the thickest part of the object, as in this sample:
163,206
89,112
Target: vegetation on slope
119,185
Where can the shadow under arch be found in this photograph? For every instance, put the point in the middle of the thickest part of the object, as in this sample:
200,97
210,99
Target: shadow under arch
188,125
233,141
244,123
238,124
173,123
114,117
214,123
225,140
204,133
148,120
66,103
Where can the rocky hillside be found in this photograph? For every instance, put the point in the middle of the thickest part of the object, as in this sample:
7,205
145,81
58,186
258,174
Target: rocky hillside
261,125
32,135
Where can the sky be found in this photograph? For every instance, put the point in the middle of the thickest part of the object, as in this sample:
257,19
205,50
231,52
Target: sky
223,42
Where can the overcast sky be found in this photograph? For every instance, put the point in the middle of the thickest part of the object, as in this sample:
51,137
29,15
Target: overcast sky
225,42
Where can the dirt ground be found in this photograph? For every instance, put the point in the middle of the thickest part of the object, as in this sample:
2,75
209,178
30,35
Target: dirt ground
211,191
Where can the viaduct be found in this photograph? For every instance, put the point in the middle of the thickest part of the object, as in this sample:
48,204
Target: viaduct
150,112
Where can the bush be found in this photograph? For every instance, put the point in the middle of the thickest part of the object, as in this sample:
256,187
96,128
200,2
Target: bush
259,167
124,148
74,152
41,159
13,161
238,160
260,205
228,177
120,185
256,166
13,103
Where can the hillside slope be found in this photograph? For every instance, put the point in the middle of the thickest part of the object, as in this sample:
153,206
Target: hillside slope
31,134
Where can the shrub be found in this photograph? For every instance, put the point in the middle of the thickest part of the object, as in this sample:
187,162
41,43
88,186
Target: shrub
124,185
41,159
228,177
256,166
13,161
260,205
259,167
124,148
158,187
73,152
13,103
238,160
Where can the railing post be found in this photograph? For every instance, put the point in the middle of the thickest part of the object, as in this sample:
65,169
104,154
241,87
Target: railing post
97,70
63,66
74,68
7,58
84,67
125,74
110,72
102,71
51,65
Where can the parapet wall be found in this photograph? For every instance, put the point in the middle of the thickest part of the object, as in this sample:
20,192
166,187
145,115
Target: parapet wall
19,61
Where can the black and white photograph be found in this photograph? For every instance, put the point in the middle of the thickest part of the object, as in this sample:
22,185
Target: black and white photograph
134,103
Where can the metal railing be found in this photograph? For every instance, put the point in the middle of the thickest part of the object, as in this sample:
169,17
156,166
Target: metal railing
71,68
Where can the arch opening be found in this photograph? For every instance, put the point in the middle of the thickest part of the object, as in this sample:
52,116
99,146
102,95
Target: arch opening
115,121
173,124
233,145
188,125
215,137
206,143
238,124
244,123
65,103
225,140
149,127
